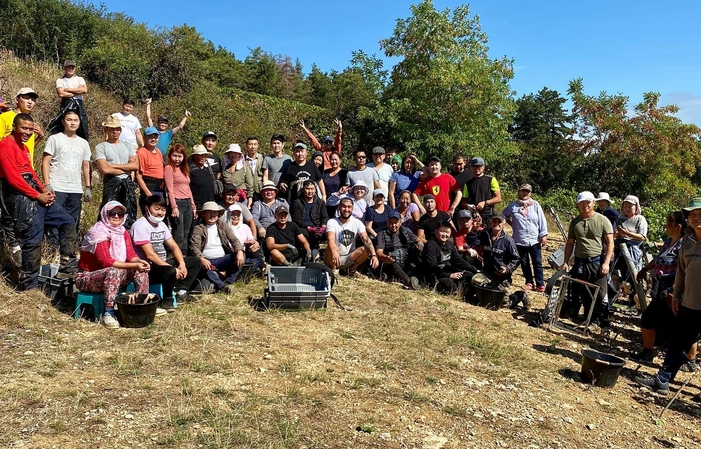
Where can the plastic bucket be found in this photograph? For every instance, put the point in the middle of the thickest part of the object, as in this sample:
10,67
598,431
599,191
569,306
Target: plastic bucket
601,369
490,298
137,310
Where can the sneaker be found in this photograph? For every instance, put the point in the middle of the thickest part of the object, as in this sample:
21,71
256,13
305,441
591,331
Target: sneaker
528,287
689,366
227,289
167,305
110,321
17,257
185,297
161,312
540,289
646,355
654,383
412,283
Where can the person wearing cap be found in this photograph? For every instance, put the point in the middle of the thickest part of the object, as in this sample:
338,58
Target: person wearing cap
384,171
466,237
117,161
530,233
255,162
149,176
238,172
631,229
459,170
443,266
285,241
500,257
202,176
357,193
309,213
165,135
297,172
26,100
176,176
590,237
218,248
66,154
376,215
254,252
686,303
71,89
30,205
318,159
428,223
329,144
604,205
482,192
230,196
441,185
131,126
406,178
362,172
342,232
152,240
275,164
263,210
398,251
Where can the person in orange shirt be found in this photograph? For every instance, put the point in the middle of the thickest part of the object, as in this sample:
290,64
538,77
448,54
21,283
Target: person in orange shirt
329,145
149,176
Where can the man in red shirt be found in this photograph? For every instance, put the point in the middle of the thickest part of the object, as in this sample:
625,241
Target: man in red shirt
30,204
439,185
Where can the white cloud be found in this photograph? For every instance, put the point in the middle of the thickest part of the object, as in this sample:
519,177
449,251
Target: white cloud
689,105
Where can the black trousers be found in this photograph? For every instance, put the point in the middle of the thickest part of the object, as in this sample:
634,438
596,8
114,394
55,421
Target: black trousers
165,275
686,332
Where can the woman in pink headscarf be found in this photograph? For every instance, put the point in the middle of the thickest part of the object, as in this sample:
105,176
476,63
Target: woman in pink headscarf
108,261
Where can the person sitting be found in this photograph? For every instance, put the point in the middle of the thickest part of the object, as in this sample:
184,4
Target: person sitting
466,238
108,261
395,247
428,223
231,196
530,233
254,253
657,321
309,213
499,254
443,266
376,215
217,248
341,235
358,194
408,210
151,239
285,241
263,210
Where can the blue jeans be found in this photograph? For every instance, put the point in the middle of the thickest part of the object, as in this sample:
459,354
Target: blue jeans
226,263
535,255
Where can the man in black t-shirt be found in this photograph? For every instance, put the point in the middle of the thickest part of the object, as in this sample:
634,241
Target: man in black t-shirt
284,240
459,170
428,223
300,170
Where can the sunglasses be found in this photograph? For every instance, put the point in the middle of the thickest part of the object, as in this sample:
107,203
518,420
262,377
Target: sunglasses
116,214
361,157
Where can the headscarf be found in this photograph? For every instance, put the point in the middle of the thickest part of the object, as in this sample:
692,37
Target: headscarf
632,199
524,205
103,231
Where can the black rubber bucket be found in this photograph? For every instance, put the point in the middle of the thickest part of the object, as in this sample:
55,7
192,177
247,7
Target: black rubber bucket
140,313
601,369
490,298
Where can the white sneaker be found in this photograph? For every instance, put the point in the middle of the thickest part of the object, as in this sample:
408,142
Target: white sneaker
161,312
110,321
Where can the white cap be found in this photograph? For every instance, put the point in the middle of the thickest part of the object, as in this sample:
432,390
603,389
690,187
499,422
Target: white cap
234,148
235,207
603,196
585,196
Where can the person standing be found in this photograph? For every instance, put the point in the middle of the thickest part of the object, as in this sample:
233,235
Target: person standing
72,88
202,177
589,235
255,162
26,100
165,135
363,173
482,192
238,172
604,206
530,233
66,154
441,185
149,176
297,172
176,176
384,171
274,165
459,170
131,126
329,145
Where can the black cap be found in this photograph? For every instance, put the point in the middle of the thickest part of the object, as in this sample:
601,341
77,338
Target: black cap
163,119
434,158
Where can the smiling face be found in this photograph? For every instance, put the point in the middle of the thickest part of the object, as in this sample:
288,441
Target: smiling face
116,216
360,160
628,209
69,71
694,219
586,208
393,224
345,209
209,143
335,161
199,159
150,141
268,194
156,210
379,199
228,198
236,217
358,192
23,129
210,217
276,146
127,108
404,200
443,233
434,168
162,126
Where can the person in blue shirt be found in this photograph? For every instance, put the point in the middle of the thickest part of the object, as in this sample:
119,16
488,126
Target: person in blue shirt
165,134
603,206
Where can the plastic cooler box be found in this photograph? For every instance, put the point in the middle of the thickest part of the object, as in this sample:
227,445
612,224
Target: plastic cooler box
297,288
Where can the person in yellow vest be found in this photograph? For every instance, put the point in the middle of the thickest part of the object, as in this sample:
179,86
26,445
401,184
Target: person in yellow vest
26,100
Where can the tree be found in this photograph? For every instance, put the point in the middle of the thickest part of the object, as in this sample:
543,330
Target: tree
651,154
446,95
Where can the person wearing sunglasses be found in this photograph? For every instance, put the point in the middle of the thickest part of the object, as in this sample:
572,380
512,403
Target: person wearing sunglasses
108,261
367,175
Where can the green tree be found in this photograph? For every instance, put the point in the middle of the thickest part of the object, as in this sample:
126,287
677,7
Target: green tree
446,95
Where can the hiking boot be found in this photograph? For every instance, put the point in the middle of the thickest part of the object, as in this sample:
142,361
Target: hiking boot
110,321
689,366
227,289
528,287
160,311
185,297
167,305
654,383
540,289
646,355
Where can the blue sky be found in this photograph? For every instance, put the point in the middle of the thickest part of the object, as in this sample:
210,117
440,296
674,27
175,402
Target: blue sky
616,46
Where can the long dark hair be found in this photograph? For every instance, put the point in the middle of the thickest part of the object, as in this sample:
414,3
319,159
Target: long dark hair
401,169
177,148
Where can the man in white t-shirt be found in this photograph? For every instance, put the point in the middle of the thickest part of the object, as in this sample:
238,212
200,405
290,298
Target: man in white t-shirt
384,171
151,236
341,234
131,126
71,88
65,155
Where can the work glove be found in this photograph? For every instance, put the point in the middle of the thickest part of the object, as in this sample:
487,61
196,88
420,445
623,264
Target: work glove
87,196
309,257
321,230
292,248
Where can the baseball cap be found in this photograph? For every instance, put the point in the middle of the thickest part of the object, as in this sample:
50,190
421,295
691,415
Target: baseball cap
282,209
328,139
162,119
477,161
464,213
229,188
429,196
526,187
279,137
434,158
500,217
27,91
395,214
150,131
209,134
69,63
585,196
377,192
299,145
